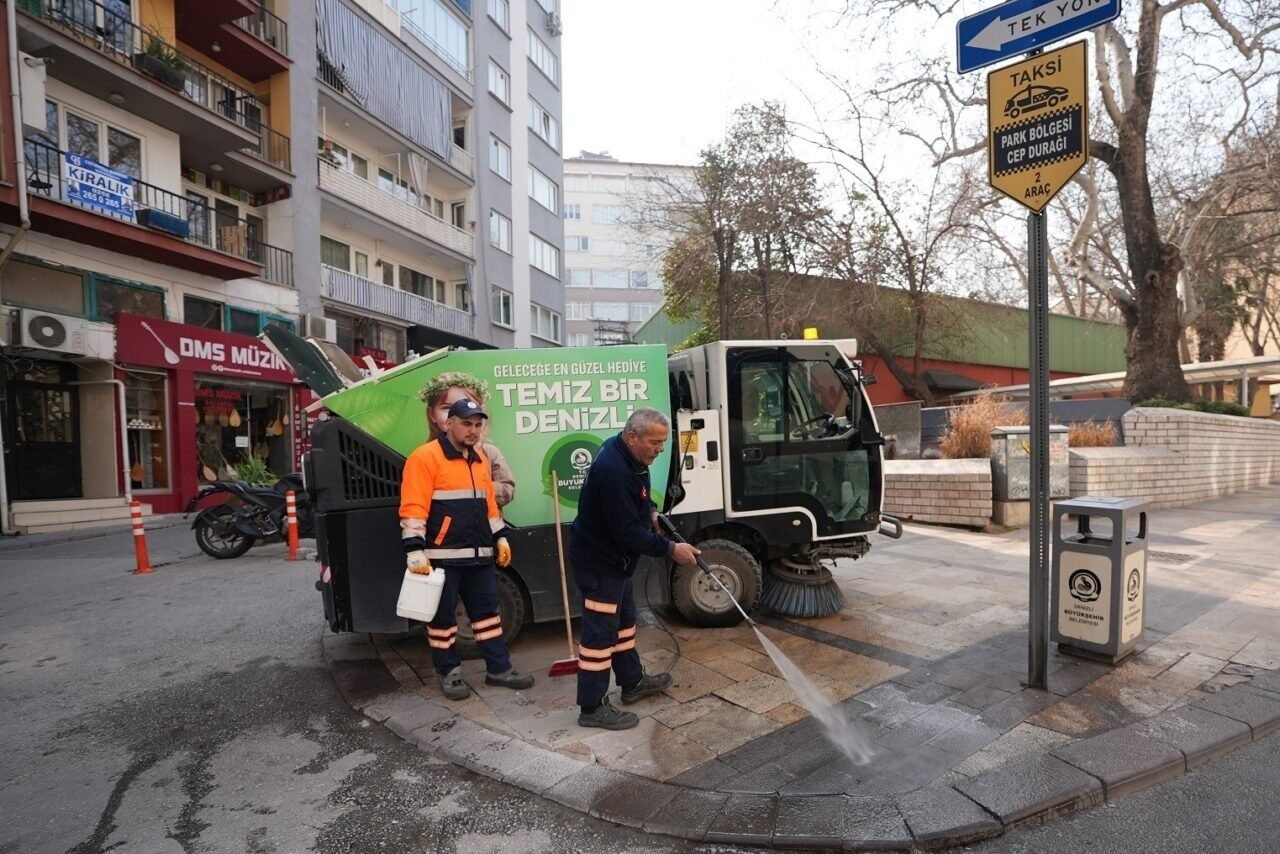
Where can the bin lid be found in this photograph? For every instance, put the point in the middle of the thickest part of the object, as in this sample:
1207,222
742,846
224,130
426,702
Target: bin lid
1102,502
312,365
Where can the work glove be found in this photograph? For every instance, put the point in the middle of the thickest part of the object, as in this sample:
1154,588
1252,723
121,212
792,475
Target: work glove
504,552
417,562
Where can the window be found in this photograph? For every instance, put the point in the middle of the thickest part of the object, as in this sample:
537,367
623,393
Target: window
543,190
243,322
499,83
198,218
549,6
502,311
401,189
541,55
609,278
544,124
111,297
422,284
573,211
388,273
579,339
574,310
640,279
579,277
609,311
499,157
362,265
335,253
575,243
462,296
500,231
82,137
145,408
642,310
544,323
544,256
606,214
441,30
202,312
500,11
124,153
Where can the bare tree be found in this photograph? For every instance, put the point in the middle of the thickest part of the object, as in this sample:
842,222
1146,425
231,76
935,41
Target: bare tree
1220,69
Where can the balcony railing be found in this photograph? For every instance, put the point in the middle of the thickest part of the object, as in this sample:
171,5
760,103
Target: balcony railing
341,286
112,33
361,193
463,161
267,28
158,210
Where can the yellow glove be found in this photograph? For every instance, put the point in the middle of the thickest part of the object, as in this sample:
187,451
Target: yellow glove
417,562
504,552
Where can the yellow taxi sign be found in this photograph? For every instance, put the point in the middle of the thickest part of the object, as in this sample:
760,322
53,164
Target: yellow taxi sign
811,333
1038,115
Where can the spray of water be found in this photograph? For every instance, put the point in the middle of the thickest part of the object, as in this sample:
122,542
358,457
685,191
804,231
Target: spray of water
839,730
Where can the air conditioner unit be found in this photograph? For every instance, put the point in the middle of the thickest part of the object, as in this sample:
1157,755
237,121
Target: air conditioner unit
60,333
323,328
553,23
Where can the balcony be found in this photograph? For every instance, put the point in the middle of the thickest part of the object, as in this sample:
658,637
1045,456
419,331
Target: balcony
100,51
344,99
140,219
350,190
341,286
255,45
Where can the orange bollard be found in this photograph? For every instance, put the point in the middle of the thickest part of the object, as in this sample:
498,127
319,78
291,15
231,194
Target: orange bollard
291,509
139,539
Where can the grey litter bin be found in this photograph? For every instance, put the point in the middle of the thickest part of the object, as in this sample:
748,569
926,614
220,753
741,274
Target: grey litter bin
1099,582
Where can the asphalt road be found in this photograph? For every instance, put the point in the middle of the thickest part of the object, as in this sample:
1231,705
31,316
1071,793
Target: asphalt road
189,711
1227,805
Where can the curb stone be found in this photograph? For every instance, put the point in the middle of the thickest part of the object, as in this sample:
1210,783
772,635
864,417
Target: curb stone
1019,793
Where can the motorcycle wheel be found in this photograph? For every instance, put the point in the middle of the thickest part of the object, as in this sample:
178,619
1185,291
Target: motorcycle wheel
214,544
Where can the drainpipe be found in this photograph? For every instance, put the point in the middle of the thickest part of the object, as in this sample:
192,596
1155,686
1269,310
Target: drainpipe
124,432
24,215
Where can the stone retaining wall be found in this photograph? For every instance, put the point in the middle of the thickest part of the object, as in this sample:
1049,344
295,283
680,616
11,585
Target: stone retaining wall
948,492
1174,457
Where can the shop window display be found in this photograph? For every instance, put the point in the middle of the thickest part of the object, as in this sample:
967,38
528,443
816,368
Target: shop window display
145,422
238,423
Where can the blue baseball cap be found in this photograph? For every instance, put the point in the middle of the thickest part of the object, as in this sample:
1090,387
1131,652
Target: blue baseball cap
467,408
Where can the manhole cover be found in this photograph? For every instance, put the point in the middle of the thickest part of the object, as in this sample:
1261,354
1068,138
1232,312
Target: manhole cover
1170,557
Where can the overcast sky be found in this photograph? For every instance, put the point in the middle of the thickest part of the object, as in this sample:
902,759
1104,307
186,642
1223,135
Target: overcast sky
656,81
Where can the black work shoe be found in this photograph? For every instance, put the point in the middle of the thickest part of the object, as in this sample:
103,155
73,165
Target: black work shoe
608,717
453,686
510,679
648,685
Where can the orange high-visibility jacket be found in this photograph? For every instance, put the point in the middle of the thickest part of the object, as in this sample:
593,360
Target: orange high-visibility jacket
447,505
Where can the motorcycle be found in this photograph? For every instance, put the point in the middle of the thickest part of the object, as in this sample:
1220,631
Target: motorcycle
250,514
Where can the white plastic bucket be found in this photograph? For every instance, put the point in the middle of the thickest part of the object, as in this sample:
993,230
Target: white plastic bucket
420,595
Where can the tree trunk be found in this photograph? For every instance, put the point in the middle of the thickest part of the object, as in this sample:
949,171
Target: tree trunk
911,383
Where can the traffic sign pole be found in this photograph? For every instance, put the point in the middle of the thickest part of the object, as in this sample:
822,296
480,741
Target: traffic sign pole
1038,569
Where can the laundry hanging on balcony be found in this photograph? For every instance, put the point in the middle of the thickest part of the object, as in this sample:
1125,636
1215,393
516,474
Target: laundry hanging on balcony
418,171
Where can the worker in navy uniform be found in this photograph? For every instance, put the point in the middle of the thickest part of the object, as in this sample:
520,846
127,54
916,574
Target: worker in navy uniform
449,517
615,526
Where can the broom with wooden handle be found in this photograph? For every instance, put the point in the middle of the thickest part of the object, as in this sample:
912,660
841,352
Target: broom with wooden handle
565,666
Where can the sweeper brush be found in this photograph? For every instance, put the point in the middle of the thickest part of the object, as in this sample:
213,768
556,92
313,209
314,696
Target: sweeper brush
794,589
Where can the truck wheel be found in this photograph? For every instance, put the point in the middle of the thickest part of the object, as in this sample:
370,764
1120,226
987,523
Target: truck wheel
510,607
701,601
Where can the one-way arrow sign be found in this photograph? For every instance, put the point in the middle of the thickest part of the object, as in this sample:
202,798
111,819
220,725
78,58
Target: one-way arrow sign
1022,25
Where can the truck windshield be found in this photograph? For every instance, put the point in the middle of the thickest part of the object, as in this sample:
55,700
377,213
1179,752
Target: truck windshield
801,440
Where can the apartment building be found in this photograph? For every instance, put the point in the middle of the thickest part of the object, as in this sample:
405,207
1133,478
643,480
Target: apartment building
192,171
438,128
614,242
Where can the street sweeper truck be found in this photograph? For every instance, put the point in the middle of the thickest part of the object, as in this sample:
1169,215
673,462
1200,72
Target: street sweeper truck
774,468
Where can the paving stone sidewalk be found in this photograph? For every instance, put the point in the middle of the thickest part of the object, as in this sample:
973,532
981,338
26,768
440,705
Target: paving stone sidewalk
927,657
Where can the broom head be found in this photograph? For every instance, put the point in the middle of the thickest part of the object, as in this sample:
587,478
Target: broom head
563,667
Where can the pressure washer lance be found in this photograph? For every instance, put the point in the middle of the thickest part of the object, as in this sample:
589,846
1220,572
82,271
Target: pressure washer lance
702,565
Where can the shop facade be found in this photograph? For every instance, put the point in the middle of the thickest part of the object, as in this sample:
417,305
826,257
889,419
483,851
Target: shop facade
201,404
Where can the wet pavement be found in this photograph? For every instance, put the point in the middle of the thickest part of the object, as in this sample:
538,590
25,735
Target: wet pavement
928,658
